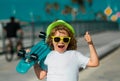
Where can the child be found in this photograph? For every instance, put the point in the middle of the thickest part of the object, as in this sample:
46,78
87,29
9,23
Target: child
64,61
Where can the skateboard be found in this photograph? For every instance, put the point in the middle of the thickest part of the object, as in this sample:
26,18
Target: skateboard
36,55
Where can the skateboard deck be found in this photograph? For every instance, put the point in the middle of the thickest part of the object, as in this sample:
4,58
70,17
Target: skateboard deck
38,52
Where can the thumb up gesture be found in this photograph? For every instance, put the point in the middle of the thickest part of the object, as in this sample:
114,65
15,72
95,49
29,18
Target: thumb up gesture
88,38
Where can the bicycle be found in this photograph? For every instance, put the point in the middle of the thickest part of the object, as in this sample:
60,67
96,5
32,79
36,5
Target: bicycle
11,49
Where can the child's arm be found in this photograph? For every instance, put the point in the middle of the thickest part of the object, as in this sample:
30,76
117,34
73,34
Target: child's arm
41,74
94,61
38,71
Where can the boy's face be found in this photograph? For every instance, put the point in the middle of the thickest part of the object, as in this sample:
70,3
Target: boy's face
60,46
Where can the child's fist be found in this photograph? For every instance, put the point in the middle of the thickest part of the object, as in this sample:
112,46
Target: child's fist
27,50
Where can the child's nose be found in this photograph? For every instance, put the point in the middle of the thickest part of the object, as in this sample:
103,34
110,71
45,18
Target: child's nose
61,41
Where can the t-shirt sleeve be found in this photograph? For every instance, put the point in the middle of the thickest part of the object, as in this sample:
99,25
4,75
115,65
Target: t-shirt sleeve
82,60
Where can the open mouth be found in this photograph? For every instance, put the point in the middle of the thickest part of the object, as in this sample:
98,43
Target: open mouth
61,46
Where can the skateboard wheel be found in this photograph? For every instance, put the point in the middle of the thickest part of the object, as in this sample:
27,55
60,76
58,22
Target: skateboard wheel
33,56
22,53
42,35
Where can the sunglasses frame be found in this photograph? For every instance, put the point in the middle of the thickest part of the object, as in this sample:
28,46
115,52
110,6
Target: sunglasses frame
61,38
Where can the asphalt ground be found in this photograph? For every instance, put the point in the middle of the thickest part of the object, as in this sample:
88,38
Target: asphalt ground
104,42
109,69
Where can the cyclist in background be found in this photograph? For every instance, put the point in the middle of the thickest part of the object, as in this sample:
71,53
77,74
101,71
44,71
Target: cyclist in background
14,35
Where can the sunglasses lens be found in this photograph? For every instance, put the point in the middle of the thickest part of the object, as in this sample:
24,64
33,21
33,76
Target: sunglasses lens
56,39
66,40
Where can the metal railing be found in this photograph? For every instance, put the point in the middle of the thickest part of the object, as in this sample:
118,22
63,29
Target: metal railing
31,30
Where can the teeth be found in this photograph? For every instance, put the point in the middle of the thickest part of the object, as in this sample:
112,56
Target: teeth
61,46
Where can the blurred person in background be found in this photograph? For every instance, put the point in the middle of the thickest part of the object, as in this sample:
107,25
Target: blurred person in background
14,35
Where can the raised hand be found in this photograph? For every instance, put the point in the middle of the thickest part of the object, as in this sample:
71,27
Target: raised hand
88,38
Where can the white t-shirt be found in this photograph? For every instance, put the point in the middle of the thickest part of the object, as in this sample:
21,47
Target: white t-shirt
64,66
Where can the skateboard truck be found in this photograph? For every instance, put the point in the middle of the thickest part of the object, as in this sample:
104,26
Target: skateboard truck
34,57
42,35
21,53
